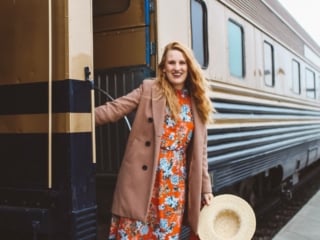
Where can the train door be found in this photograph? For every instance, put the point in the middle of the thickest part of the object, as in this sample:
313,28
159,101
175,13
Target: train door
47,173
124,55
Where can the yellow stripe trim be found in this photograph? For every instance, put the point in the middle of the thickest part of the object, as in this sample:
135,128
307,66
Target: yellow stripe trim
38,123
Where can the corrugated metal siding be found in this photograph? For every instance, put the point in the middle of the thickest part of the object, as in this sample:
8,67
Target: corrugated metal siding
237,153
266,19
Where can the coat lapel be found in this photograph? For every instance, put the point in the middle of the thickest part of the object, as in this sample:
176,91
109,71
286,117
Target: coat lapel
158,110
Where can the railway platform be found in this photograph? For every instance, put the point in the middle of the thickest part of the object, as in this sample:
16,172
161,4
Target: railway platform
305,225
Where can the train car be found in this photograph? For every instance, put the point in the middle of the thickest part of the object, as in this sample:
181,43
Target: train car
47,174
62,58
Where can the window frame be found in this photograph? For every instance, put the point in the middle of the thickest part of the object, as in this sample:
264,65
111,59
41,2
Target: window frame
242,55
204,62
293,78
272,74
308,90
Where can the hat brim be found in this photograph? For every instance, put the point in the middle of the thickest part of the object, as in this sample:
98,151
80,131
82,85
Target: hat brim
228,217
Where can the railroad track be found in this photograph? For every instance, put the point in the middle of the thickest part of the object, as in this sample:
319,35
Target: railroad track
279,211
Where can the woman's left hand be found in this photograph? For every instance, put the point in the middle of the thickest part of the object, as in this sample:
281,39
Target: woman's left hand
207,198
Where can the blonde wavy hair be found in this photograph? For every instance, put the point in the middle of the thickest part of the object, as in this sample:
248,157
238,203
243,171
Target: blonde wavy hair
195,83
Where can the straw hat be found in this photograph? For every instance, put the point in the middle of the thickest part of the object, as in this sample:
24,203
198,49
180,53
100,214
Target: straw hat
228,217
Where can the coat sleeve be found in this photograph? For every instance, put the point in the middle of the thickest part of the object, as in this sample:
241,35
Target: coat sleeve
206,181
118,108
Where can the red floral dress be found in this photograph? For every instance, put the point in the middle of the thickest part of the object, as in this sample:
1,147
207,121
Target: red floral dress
166,209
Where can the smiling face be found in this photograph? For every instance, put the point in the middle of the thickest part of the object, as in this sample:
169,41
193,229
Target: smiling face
176,68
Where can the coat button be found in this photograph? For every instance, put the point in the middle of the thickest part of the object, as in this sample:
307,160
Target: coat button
144,167
148,143
150,119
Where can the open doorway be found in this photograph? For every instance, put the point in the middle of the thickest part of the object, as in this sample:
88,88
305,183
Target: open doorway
124,55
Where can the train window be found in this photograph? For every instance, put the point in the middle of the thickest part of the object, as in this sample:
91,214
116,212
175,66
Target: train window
268,64
106,7
296,80
236,49
199,30
310,83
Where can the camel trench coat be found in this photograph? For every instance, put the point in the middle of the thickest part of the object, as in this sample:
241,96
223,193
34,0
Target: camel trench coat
138,169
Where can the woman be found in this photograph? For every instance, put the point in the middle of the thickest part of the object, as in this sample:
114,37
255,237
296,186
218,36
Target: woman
164,172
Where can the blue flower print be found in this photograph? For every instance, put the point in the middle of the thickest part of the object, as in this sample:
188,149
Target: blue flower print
185,109
171,201
164,164
144,229
166,228
172,136
123,235
157,233
163,223
174,179
166,167
168,120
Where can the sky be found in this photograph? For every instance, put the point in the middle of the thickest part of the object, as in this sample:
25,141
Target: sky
306,13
